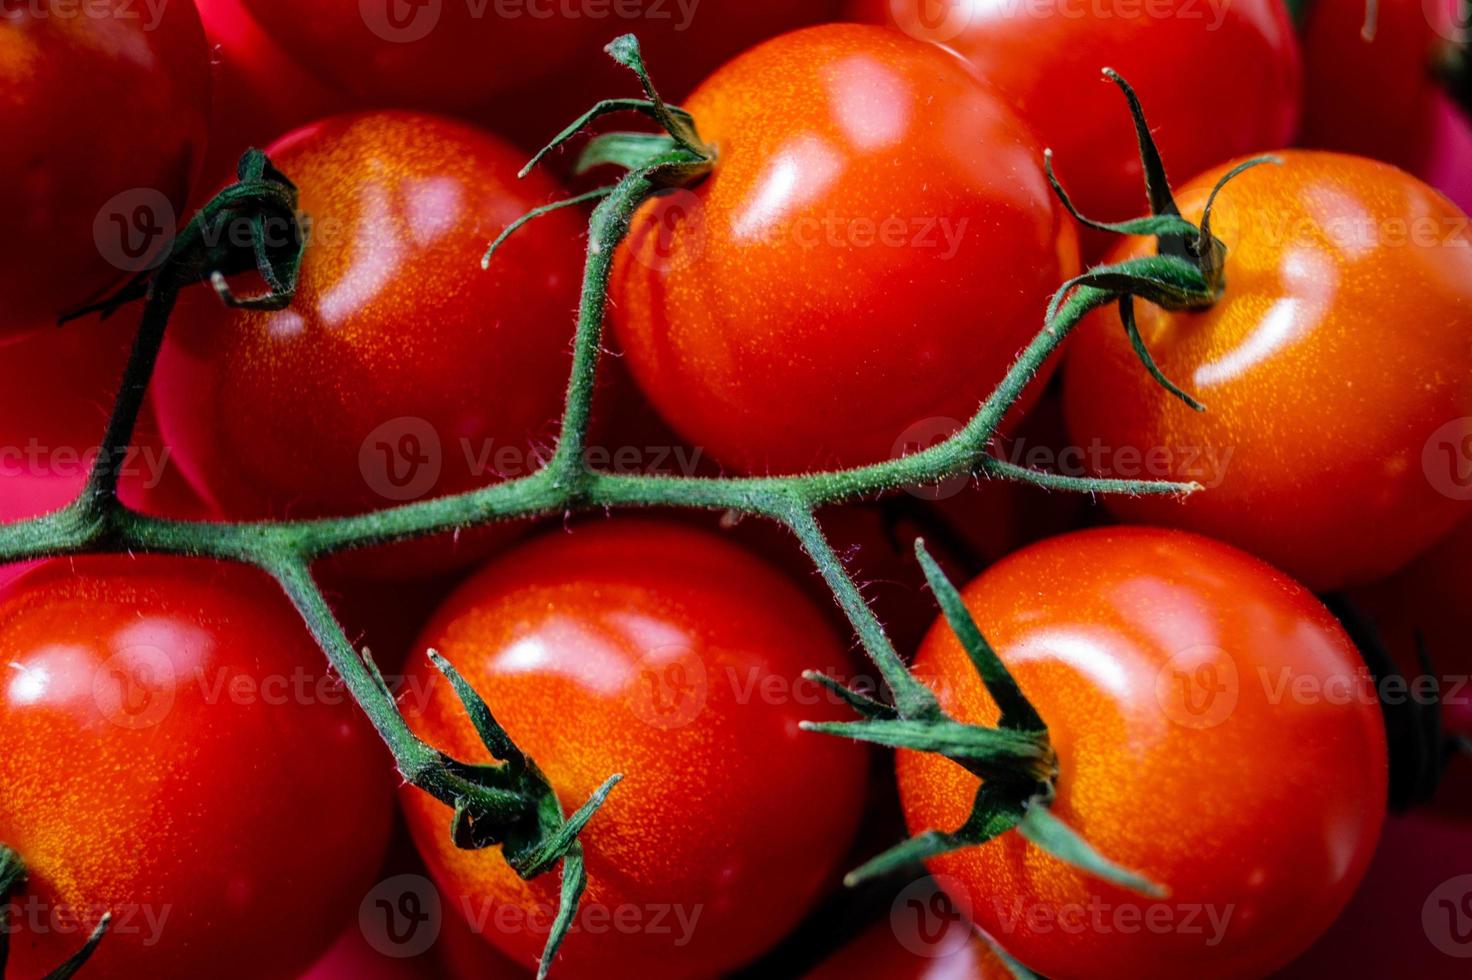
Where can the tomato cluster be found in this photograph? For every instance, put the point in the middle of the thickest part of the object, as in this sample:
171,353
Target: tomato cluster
1138,742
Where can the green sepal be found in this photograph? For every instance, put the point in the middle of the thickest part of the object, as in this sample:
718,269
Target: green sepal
1166,281
996,811
1132,330
79,959
861,703
630,151
1151,226
1044,829
1157,184
677,122
570,202
980,750
1018,713
606,107
1016,969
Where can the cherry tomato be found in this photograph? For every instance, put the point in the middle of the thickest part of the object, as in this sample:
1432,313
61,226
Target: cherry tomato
875,244
1410,917
433,55
1336,373
260,91
1217,80
173,753
1375,95
674,658
1216,731
401,370
80,218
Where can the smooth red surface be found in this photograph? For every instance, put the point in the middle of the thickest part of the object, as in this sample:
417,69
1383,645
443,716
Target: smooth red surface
1375,95
93,107
159,760
402,370
877,954
1165,666
432,55
768,314
1216,80
1334,371
674,658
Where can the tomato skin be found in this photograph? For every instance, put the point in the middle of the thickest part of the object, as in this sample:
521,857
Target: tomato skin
57,191
1230,806
1048,61
880,955
401,370
204,799
628,647
440,57
1375,97
871,130
1336,354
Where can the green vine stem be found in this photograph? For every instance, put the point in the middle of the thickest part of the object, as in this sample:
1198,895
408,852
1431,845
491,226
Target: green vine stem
511,804
12,880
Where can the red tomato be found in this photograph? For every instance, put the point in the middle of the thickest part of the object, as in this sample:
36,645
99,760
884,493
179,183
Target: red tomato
433,54
896,950
669,656
80,218
1332,401
1217,79
173,753
1412,915
260,92
401,370
1216,731
875,244
1375,96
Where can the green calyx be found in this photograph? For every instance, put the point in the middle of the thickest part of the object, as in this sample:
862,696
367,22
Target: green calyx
1015,760
12,880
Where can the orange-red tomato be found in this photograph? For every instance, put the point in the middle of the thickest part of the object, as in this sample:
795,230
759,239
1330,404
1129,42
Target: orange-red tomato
173,752
401,370
1216,731
104,119
674,658
874,245
1336,372
1218,80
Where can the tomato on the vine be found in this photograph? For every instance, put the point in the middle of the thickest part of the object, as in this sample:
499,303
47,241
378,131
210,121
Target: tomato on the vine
875,243
1375,93
105,119
401,369
1216,731
1218,80
676,659
1336,372
175,754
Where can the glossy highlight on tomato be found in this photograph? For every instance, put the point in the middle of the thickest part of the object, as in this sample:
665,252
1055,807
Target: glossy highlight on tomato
172,752
1216,731
874,246
401,369
1336,371
674,658
105,120
1218,80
